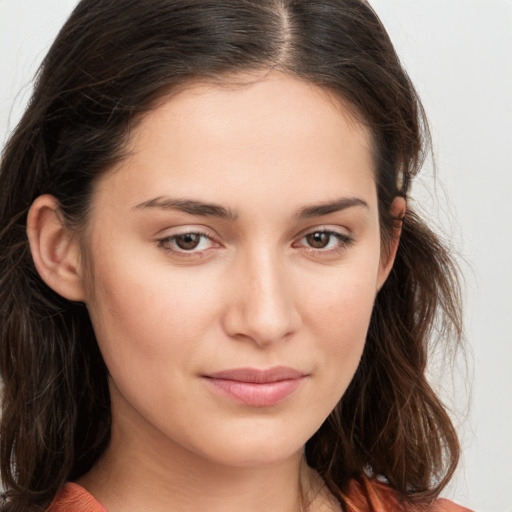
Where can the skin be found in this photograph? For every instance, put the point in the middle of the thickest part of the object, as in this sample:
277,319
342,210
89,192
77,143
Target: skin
253,293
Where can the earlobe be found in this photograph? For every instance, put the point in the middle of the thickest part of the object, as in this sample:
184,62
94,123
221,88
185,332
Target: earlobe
55,250
388,255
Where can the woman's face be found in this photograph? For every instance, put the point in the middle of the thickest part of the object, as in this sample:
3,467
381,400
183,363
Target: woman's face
235,257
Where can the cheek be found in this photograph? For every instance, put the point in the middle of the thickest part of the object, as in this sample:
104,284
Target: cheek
341,327
337,314
144,318
342,299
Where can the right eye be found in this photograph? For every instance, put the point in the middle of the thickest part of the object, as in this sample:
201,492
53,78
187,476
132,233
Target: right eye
189,243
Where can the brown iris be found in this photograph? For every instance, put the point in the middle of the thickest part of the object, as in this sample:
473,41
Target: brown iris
188,241
318,239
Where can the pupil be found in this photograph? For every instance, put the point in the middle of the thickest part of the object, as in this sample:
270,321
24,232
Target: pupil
318,240
188,241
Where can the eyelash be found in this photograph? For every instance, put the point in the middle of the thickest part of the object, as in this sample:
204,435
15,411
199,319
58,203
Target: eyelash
344,240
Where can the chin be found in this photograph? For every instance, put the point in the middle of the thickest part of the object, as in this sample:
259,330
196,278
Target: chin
256,447
257,457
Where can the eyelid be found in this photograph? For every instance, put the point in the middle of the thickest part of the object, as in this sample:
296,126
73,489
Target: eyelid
326,228
182,229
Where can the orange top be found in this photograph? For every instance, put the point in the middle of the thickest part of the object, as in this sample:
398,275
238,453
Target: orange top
368,496
371,495
74,498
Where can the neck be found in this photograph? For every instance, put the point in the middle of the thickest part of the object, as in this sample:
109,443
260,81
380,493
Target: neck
152,473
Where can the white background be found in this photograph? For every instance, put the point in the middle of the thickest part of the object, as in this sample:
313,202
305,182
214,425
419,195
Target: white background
459,54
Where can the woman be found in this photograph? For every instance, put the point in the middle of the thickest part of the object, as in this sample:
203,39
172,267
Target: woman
213,294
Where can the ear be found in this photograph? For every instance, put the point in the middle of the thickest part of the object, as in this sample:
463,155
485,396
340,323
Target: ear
55,251
388,253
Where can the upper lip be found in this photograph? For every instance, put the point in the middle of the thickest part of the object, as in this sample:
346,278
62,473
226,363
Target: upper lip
257,376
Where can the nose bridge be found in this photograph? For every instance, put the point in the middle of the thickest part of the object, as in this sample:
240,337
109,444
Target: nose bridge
263,308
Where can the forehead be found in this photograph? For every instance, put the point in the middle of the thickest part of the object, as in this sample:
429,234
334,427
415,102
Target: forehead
253,135
245,99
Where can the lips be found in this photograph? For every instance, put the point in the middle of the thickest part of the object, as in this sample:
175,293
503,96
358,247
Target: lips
254,387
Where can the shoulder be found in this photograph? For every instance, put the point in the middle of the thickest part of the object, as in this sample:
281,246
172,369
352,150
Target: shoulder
372,495
73,497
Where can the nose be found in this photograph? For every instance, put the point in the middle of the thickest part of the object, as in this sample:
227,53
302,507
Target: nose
262,305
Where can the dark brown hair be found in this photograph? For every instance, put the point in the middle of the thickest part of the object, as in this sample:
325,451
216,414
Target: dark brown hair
111,61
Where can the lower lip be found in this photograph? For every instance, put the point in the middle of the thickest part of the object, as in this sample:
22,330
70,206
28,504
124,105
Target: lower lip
256,394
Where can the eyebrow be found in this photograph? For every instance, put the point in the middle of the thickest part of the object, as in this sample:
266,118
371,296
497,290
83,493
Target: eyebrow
317,210
200,208
189,206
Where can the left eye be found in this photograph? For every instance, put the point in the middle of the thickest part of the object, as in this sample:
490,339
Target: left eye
321,240
186,242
